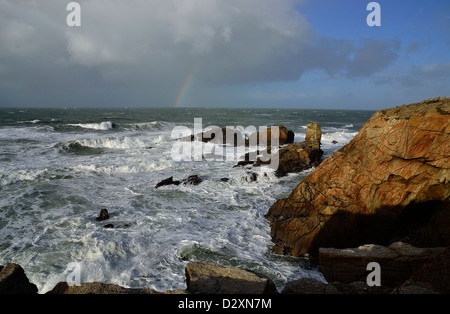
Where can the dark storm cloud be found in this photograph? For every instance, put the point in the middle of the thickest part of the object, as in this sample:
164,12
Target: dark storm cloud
141,52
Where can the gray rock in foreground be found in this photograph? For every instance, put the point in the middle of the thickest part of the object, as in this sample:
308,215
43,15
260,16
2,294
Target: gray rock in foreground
212,278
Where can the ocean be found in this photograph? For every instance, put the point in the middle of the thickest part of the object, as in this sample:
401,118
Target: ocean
60,167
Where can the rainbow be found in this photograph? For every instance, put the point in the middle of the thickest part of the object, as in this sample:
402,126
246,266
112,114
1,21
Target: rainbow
185,86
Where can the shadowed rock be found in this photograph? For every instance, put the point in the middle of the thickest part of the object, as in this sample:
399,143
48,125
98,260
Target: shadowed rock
387,184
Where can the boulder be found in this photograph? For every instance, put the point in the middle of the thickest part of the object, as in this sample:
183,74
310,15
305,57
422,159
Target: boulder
397,262
385,185
97,288
221,136
212,278
308,286
14,281
264,137
313,135
298,157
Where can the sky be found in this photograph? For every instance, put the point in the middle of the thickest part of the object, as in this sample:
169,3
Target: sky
318,54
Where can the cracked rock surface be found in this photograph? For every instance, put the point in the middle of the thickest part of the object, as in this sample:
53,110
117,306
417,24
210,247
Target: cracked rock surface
391,182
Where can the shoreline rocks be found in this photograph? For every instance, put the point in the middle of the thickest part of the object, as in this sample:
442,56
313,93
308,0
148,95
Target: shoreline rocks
390,183
212,278
291,158
397,262
404,270
13,280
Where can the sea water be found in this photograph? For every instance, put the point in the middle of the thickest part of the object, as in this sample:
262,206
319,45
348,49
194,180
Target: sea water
59,167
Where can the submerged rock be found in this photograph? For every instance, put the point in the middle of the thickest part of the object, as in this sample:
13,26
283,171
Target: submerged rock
388,183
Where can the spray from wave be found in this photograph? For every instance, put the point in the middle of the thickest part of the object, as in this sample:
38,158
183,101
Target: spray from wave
103,126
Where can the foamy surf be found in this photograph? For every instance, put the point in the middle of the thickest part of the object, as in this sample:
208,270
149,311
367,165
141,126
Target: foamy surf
104,126
57,174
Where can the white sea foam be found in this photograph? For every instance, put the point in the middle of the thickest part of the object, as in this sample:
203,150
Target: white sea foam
20,175
106,125
157,231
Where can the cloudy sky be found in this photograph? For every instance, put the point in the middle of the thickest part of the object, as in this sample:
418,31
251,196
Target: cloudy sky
227,53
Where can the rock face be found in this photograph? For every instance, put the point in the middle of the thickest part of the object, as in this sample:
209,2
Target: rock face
14,281
397,262
298,157
211,278
391,182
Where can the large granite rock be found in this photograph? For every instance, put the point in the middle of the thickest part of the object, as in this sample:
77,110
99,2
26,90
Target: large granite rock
264,137
397,262
386,184
14,281
212,278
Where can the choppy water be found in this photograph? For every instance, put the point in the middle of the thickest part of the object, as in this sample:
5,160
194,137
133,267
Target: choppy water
59,167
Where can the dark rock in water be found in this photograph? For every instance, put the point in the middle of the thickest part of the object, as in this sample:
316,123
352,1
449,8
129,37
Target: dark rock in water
290,137
251,177
235,137
104,215
14,281
224,179
220,136
191,180
116,226
334,142
168,181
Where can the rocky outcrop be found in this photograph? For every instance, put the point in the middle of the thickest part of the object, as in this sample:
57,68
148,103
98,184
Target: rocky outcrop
264,137
235,137
387,184
14,281
397,262
292,158
212,278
